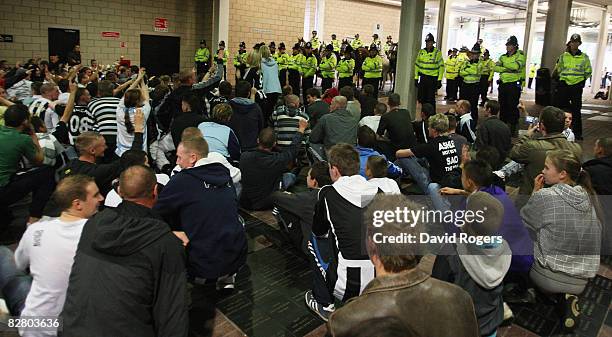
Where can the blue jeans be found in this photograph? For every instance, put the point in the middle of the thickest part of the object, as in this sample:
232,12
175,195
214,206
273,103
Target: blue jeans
14,284
415,166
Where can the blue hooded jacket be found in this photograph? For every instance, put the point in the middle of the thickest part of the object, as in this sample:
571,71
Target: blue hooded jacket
393,171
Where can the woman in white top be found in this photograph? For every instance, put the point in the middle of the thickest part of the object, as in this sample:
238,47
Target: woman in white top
136,97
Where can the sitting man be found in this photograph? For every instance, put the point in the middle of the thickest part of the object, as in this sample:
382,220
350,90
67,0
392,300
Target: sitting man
366,142
376,173
399,282
263,170
47,250
338,126
220,137
466,125
129,260
286,120
341,269
217,240
493,132
247,119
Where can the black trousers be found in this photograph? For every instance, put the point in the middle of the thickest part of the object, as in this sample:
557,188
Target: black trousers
569,98
345,81
470,92
202,67
268,107
374,82
509,96
239,71
307,83
282,76
427,90
39,181
294,81
530,82
451,89
484,88
326,83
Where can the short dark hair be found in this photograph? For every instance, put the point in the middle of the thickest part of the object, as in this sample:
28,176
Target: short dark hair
347,91
193,101
37,123
380,108
491,155
137,182
368,90
606,144
313,92
452,121
80,92
394,100
36,87
492,105
15,115
243,89
73,187
378,166
225,89
553,119
345,158
366,137
105,88
320,172
267,138
479,171
428,110
64,85
133,157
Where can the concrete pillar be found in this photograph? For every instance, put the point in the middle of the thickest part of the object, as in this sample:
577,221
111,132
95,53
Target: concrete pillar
555,36
443,25
601,51
411,29
220,24
307,21
320,20
530,22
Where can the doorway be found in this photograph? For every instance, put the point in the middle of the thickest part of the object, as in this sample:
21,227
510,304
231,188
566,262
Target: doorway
62,41
160,55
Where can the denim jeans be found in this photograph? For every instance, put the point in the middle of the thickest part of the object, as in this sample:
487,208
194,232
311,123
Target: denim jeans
415,166
14,284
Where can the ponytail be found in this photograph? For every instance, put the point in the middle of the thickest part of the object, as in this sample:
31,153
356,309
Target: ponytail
584,180
128,122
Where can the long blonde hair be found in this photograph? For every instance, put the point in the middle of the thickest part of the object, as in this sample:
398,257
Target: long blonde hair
253,59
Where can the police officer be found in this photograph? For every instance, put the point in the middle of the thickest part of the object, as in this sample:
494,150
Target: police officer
272,47
308,68
283,59
240,61
486,76
376,41
328,67
511,69
336,44
428,71
572,69
388,45
314,41
202,58
293,69
471,73
356,43
372,69
532,74
451,65
346,68
221,57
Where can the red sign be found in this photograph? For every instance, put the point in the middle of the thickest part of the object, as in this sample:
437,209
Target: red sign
110,34
123,44
161,24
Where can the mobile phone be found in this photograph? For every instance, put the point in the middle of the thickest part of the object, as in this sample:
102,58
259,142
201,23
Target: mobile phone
532,120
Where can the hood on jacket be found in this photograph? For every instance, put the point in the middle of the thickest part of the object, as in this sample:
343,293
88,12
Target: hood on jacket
356,189
215,174
575,196
121,236
217,158
242,101
486,266
268,62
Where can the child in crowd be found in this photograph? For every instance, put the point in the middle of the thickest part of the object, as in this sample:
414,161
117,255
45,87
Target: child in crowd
376,172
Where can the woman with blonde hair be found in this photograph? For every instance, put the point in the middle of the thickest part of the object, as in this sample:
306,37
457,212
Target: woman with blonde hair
270,82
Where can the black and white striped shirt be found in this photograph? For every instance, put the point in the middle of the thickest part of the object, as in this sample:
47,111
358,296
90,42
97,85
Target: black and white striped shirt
104,111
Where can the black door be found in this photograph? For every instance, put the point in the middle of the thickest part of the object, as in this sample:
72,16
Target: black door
62,41
160,55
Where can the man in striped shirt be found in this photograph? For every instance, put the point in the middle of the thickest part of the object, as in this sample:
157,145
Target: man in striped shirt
286,120
104,109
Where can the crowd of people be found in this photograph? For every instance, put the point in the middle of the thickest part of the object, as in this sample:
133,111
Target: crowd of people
133,185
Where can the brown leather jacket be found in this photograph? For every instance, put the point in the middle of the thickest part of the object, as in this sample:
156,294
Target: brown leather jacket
429,306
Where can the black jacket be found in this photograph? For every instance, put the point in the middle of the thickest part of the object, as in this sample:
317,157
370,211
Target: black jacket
128,278
398,126
600,170
246,122
421,131
183,121
315,111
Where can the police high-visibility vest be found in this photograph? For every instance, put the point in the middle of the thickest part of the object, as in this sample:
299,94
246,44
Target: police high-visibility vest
372,67
487,68
470,72
328,66
511,68
315,43
294,62
225,56
202,55
346,68
573,69
451,65
283,61
356,43
308,65
336,45
429,63
240,58
532,71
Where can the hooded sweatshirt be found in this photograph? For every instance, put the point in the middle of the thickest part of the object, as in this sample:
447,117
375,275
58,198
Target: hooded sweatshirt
393,170
270,80
192,201
129,270
246,122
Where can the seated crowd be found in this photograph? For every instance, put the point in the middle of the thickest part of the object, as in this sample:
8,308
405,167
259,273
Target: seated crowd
133,187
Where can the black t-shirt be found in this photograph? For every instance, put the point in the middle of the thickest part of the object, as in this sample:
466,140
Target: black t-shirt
397,124
442,155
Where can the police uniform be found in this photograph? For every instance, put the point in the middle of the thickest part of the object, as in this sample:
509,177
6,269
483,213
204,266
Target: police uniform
224,59
293,69
486,76
346,68
428,72
240,61
283,59
356,43
328,68
451,67
314,41
308,69
335,44
471,72
572,69
372,70
377,43
202,57
511,69
532,73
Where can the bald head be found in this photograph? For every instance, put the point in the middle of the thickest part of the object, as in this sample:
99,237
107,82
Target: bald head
137,183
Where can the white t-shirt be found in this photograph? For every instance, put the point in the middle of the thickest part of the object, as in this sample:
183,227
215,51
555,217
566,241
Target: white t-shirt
388,186
48,249
43,106
371,121
124,139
